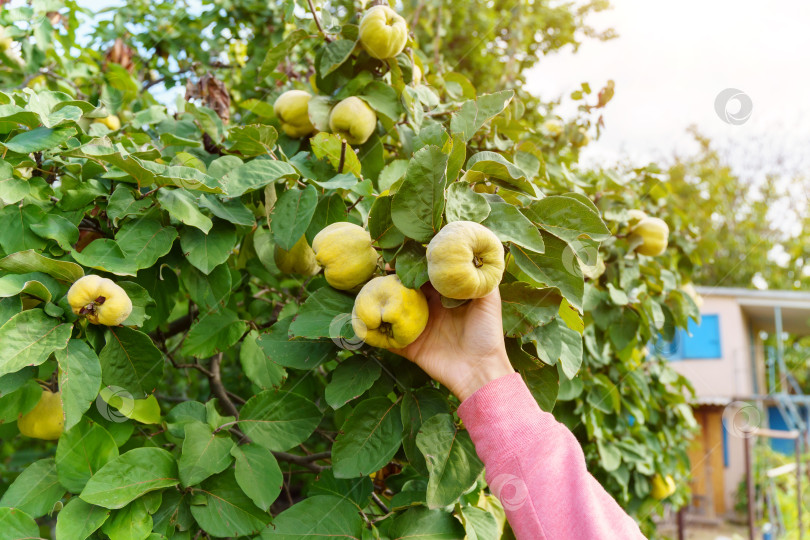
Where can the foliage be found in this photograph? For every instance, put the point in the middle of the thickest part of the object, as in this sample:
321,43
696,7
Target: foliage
267,409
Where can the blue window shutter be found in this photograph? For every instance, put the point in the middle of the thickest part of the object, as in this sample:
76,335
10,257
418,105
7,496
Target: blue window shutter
705,339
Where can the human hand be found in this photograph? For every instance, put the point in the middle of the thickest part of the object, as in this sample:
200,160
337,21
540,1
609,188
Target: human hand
462,347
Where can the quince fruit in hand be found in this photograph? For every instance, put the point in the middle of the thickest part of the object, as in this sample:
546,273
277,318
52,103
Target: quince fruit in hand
388,314
465,260
300,259
112,122
662,488
383,32
353,120
344,251
654,235
99,299
634,216
46,420
292,110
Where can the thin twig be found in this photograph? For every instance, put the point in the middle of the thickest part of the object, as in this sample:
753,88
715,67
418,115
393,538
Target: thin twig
378,502
343,146
318,21
215,381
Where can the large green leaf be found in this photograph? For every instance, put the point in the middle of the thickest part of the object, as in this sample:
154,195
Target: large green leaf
381,227
411,265
334,54
464,204
204,453
369,438
417,407
252,140
258,367
39,139
58,229
183,207
225,511
15,228
525,307
330,146
17,524
427,524
130,476
510,225
144,241
417,206
36,284
279,420
78,520
355,490
258,474
485,165
105,254
479,524
28,339
552,269
131,360
310,519
82,451
316,318
132,522
568,218
35,490
214,332
350,379
30,261
256,174
291,215
207,251
295,353
475,113
79,379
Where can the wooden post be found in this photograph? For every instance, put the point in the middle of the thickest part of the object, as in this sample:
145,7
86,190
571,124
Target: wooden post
798,449
749,485
680,521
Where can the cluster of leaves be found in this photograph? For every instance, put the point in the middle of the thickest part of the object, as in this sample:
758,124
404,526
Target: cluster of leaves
234,396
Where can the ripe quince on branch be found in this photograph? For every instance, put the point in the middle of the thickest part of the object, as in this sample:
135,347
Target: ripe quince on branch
99,299
292,110
465,260
46,420
383,32
300,259
654,234
353,120
662,487
388,314
344,251
112,122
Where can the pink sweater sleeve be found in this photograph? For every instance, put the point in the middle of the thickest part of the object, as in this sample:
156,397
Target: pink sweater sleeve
536,467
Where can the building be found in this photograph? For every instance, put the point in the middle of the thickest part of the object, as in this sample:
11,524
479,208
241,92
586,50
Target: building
735,377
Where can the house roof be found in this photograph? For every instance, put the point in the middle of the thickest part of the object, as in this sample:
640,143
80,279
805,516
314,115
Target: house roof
758,305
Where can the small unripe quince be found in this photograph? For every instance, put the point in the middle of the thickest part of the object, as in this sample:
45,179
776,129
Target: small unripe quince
465,260
112,122
300,259
292,110
344,251
654,234
383,32
388,314
662,488
353,120
99,299
46,420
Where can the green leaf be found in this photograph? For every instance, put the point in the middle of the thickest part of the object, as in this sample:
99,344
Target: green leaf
294,353
226,512
210,292
79,379
329,146
8,308
144,241
330,209
130,360
417,206
15,228
214,332
55,227
36,284
544,384
493,165
464,204
258,474
207,251
12,189
256,174
132,522
568,218
369,438
28,339
571,353
141,301
183,207
551,269
130,476
258,367
279,420
411,265
383,99
451,460
424,523
122,203
291,215
17,524
78,520
475,113
417,407
479,524
82,451
252,140
232,210
35,490
358,491
610,456
380,225
526,307
317,317
280,51
510,225
350,379
39,139
105,254
334,54
340,522
204,453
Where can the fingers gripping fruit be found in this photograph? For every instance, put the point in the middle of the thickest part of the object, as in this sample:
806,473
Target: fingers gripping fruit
99,299
388,314
465,260
353,120
46,420
383,32
654,235
345,253
292,110
662,488
300,259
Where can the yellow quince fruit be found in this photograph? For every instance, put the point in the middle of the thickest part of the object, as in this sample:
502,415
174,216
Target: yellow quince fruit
300,259
654,235
353,120
46,420
292,110
112,122
553,127
99,299
344,251
388,314
383,32
634,216
662,487
465,260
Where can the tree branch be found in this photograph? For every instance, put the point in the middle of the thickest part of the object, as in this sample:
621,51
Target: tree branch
318,21
217,388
